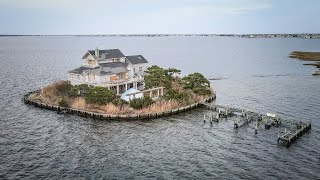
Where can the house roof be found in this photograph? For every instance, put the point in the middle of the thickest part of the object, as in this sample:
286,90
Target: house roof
113,68
136,59
103,69
105,54
83,69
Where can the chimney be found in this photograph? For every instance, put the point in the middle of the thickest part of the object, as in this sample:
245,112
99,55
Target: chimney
96,52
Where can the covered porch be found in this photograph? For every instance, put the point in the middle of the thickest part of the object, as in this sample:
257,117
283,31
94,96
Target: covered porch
153,93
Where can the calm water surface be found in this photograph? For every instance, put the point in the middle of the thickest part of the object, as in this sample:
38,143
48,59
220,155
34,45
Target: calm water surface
36,143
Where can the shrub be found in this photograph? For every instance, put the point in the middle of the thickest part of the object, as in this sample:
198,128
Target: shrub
202,91
63,87
99,95
111,108
140,103
79,90
118,102
172,94
160,106
63,102
50,92
78,103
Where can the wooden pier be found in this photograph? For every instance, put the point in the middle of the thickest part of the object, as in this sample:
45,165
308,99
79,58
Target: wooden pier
290,136
244,117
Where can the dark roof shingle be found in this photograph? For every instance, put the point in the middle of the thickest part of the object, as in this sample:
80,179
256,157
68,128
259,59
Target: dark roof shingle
103,69
136,59
107,53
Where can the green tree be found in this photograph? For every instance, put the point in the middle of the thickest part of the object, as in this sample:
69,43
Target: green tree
172,94
195,80
79,90
63,102
119,102
99,95
140,103
184,96
157,76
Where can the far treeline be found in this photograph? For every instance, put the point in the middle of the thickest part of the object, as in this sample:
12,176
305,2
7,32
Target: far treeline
179,91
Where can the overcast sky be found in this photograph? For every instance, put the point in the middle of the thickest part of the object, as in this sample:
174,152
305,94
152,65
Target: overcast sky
158,16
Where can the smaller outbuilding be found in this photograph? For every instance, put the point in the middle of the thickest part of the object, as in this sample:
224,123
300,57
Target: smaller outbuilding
131,94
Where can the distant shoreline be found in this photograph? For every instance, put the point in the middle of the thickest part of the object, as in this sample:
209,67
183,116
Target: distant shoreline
302,35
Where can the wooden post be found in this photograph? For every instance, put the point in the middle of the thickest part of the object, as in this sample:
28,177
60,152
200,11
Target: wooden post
256,129
126,87
151,93
117,89
158,93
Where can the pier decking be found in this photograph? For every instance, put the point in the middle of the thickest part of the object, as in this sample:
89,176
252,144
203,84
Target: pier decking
289,137
244,117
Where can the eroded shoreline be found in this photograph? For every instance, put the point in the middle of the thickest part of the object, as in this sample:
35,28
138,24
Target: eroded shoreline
103,116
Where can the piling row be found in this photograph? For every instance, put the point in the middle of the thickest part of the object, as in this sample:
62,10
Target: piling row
95,115
243,116
289,137
269,119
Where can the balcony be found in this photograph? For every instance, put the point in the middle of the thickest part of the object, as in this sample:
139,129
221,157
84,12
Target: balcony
117,82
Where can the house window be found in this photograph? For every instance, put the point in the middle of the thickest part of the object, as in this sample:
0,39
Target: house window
134,70
92,62
140,69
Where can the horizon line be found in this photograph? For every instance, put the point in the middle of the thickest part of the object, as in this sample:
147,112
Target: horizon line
166,34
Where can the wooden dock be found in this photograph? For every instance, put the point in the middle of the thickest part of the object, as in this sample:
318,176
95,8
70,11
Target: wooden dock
290,136
244,117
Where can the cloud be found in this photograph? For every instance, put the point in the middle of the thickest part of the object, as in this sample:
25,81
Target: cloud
125,16
224,7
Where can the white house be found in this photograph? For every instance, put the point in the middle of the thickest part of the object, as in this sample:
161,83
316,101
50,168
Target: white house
110,68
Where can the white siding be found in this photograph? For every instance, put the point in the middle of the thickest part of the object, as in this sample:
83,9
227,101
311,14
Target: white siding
123,59
104,78
137,68
76,79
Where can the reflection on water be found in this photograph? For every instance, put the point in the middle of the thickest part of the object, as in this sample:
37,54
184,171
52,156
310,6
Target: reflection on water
38,143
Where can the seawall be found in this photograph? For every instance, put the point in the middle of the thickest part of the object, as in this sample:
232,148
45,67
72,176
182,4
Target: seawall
95,115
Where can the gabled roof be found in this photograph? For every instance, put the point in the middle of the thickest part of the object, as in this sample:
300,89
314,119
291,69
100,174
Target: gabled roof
113,68
83,69
105,54
103,69
136,59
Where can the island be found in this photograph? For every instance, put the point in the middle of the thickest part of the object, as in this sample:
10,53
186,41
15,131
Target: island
110,85
313,57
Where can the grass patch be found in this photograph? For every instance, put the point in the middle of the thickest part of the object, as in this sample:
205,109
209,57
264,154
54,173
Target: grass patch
305,56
